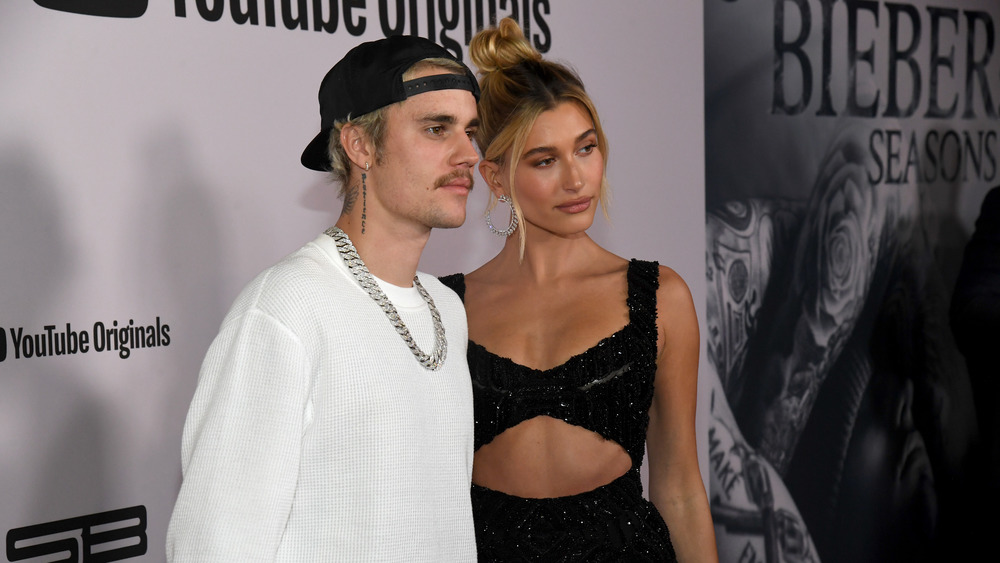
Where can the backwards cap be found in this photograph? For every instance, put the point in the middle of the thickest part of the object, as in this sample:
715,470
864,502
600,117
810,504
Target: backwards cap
369,77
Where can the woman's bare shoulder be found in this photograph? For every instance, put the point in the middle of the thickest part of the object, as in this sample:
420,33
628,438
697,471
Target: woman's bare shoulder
672,285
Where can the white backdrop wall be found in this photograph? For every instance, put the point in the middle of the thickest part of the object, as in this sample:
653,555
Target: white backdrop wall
149,168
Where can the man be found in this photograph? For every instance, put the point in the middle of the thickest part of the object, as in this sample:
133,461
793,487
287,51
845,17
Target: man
333,415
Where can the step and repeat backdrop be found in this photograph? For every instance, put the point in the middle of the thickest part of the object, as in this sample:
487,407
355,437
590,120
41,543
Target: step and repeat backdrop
149,168
849,148
813,168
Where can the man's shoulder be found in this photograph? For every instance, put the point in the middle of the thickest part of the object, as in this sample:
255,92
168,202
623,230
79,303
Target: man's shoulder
307,265
301,277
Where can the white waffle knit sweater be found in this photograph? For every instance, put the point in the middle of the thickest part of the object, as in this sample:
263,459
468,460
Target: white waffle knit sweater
314,434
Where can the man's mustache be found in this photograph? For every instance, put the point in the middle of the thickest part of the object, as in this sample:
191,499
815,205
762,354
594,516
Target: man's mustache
454,175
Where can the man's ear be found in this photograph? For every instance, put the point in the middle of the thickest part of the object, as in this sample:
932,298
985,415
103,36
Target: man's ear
491,172
357,146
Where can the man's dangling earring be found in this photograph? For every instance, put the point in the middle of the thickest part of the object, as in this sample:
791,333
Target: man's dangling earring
511,227
364,198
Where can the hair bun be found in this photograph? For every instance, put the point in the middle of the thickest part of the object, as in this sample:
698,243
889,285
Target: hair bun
501,47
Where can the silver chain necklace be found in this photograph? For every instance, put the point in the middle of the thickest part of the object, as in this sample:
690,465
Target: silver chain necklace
360,272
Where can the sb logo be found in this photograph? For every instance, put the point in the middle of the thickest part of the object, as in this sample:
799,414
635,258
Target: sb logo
107,536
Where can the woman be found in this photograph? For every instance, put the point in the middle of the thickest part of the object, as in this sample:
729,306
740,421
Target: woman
578,357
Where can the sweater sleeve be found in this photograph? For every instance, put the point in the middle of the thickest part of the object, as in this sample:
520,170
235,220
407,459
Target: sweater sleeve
241,444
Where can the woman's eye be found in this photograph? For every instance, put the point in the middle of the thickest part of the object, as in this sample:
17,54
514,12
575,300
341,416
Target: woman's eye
589,148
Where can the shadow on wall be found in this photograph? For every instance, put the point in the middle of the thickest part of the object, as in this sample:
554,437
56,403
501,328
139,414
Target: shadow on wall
323,195
187,260
180,215
52,429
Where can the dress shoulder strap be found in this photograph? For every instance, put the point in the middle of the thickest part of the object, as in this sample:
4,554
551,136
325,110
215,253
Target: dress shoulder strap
643,279
455,282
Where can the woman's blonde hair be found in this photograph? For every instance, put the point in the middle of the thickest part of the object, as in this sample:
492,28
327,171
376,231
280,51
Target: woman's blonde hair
517,86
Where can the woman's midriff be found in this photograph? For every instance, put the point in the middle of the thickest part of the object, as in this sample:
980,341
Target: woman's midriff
545,457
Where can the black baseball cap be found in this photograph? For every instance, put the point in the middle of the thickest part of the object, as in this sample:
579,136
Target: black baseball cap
369,77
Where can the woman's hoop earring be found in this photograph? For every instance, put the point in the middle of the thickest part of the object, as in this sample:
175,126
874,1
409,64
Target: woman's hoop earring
511,227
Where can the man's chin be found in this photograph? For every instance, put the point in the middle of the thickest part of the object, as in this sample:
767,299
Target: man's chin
450,224
452,219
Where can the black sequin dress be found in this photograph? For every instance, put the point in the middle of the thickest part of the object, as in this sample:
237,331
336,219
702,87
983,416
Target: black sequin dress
607,389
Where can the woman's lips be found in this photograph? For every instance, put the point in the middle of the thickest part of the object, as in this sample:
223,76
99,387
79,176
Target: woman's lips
576,205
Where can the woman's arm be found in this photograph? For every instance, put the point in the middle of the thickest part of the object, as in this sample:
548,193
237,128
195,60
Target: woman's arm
675,485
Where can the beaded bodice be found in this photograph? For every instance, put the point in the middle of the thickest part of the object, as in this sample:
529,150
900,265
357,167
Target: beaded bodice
607,389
